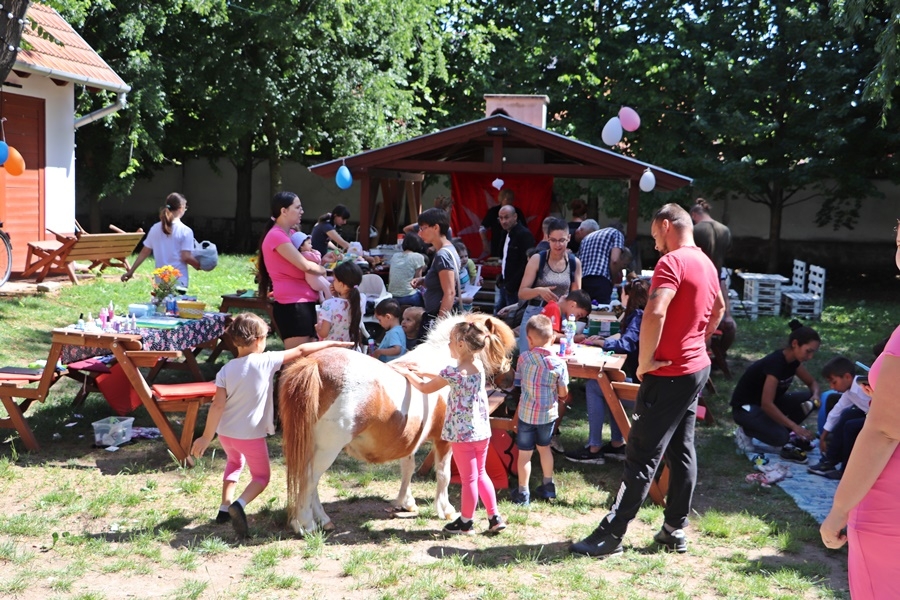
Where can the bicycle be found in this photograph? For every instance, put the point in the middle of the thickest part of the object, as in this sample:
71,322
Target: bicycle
5,256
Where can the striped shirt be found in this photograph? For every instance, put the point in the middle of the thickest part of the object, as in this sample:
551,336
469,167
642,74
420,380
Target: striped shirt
541,373
595,249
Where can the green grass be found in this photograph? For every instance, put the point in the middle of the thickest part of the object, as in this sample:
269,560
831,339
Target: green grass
138,520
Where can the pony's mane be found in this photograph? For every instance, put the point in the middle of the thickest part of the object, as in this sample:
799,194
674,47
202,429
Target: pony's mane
433,354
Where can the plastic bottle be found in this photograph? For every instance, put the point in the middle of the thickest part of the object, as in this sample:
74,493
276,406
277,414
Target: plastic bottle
570,329
614,298
562,347
80,324
103,318
371,349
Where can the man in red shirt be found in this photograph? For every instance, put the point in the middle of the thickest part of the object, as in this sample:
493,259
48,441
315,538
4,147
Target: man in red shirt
685,306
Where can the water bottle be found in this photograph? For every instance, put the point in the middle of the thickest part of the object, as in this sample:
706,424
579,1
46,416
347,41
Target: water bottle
371,350
614,298
562,346
570,329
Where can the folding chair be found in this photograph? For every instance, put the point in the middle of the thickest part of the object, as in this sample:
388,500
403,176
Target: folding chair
59,255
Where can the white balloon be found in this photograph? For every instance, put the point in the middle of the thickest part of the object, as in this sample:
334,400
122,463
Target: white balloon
497,183
612,132
648,181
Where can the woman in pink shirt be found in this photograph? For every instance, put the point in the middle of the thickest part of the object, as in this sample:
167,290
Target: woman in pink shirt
282,269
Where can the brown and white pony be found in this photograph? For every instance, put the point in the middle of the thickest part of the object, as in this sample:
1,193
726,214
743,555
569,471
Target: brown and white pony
340,399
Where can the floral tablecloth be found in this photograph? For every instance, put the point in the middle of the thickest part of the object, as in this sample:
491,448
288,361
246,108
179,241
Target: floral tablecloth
188,334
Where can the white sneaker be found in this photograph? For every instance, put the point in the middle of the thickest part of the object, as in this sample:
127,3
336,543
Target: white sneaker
744,442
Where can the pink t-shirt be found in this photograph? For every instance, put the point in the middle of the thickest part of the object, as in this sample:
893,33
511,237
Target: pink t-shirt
288,282
695,281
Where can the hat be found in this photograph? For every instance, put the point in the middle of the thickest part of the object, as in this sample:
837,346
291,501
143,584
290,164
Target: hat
297,238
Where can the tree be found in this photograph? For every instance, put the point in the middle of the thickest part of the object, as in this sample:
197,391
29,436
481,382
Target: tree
780,117
859,15
11,34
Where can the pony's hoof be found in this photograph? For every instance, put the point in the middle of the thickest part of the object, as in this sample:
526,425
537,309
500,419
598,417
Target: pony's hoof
329,526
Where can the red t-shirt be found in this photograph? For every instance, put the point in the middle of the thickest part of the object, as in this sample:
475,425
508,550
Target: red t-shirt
552,312
695,281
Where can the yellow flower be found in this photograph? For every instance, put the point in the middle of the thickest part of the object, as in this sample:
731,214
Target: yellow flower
165,280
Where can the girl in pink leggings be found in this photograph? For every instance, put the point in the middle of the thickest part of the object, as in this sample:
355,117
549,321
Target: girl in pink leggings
242,412
466,424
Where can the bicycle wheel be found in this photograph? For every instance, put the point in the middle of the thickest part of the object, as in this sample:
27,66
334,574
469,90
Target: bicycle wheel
5,258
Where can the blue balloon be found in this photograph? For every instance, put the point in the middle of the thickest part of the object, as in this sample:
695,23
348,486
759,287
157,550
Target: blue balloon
4,152
343,178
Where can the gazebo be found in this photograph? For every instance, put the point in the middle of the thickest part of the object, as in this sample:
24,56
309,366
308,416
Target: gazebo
497,147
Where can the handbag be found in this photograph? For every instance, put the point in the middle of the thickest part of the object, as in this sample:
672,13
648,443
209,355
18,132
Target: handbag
206,254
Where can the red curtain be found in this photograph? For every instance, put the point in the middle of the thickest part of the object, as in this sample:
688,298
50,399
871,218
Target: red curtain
474,194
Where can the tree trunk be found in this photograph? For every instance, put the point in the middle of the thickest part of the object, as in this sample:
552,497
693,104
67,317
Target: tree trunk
275,182
775,212
11,34
243,224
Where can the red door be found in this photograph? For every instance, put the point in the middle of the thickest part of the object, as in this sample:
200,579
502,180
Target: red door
22,197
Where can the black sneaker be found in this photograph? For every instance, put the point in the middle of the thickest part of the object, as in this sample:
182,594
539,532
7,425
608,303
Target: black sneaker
239,519
793,453
598,544
460,527
611,452
546,491
836,474
556,445
517,496
223,517
823,468
584,455
675,541
496,524
800,442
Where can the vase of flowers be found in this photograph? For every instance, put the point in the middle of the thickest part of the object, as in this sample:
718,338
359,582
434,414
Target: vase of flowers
165,279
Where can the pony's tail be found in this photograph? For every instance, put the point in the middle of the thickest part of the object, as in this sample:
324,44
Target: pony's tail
497,342
298,401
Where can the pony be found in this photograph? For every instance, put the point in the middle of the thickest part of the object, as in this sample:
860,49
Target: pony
340,399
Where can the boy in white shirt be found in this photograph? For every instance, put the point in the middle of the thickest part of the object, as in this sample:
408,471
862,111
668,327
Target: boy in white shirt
846,418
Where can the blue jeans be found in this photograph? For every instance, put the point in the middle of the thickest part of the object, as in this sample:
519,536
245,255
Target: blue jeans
501,298
528,435
414,299
597,411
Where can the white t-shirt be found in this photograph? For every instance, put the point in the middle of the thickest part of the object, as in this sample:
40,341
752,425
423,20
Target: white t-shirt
167,248
249,409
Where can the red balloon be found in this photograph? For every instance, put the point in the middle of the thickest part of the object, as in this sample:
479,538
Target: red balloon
15,164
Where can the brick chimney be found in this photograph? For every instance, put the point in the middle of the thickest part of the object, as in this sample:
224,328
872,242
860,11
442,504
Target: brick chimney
521,107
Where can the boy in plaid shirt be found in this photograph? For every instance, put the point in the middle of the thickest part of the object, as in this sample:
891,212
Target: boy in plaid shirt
545,379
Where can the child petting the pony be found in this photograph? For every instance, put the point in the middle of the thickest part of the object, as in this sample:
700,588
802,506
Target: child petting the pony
467,424
242,412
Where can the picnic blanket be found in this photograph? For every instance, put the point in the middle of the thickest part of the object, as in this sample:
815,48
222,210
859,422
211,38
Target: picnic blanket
812,493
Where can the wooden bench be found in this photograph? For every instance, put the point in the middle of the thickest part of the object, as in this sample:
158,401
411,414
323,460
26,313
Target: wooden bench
16,397
184,398
59,255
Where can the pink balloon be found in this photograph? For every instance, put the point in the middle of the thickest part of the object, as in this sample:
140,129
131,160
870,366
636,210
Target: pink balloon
629,118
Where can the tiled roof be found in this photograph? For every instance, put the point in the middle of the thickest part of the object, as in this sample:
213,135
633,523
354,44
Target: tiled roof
74,61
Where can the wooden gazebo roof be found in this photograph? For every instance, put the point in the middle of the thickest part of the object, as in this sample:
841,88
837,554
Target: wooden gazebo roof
496,144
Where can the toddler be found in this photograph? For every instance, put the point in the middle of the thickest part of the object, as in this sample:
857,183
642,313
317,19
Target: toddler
319,283
242,413
393,344
467,269
411,323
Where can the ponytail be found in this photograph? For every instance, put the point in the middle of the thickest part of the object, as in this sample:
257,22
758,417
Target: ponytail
174,202
280,201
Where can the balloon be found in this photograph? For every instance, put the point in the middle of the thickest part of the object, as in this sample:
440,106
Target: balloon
612,132
629,118
648,181
15,164
4,152
497,183
343,178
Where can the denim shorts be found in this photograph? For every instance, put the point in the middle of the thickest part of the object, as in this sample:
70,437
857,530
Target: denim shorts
528,434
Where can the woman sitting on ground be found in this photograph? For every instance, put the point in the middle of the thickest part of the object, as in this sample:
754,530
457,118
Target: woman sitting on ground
761,404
